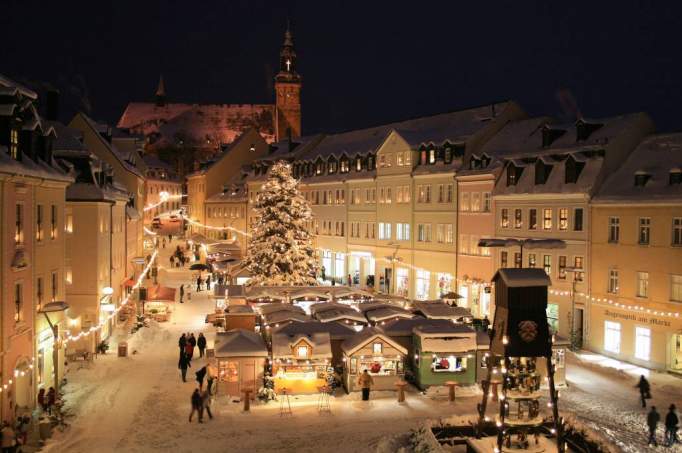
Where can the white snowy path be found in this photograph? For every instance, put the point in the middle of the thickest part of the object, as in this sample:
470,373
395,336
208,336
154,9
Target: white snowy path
139,404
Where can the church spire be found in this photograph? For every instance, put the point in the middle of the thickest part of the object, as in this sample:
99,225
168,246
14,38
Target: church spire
287,56
161,92
288,90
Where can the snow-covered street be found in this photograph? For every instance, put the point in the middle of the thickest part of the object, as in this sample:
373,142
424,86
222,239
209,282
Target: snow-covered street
140,404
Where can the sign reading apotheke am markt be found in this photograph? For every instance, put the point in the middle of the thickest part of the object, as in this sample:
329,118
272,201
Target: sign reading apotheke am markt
637,317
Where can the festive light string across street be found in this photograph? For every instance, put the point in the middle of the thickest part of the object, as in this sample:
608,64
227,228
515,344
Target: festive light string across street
164,197
124,302
597,300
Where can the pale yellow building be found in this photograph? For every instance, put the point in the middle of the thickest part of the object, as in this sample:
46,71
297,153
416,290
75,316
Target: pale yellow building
635,302
163,189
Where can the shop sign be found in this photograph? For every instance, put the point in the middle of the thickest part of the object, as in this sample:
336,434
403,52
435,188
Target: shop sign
637,317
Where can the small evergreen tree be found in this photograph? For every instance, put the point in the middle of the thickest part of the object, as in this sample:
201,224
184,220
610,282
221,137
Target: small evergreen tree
280,251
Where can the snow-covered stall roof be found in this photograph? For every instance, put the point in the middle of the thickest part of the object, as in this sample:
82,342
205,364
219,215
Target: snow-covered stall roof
340,314
283,344
382,314
335,330
452,338
441,310
239,343
240,310
405,327
285,316
367,336
324,306
654,160
229,290
517,278
266,309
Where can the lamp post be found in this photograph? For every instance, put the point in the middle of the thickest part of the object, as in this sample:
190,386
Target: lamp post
54,307
575,271
393,259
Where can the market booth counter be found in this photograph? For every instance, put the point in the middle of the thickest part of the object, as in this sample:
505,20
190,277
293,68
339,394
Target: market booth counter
444,353
382,357
300,361
240,357
159,303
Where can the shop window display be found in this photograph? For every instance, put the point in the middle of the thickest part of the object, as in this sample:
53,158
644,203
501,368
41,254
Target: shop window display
450,364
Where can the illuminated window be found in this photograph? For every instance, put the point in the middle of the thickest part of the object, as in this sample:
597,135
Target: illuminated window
614,229
612,286
676,288
464,204
504,218
547,264
563,219
642,343
503,259
547,219
475,200
39,223
432,156
562,268
612,336
18,301
518,220
532,260
642,284
644,230
378,348
302,352
19,225
14,144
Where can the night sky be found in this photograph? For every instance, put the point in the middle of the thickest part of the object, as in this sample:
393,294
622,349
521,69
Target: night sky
363,63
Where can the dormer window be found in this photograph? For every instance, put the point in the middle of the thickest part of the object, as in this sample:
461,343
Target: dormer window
474,163
485,161
422,157
432,156
513,174
377,348
14,144
332,166
583,130
675,176
358,163
345,165
370,163
641,178
319,167
302,352
549,135
542,172
447,157
573,169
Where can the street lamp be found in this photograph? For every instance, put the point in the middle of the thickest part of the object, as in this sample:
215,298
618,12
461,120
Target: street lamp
393,259
575,271
54,307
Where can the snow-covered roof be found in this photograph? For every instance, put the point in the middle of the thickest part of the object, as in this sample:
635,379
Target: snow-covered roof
240,310
367,336
199,125
340,314
656,157
29,167
382,314
11,87
281,316
455,338
239,343
324,306
518,278
405,327
441,310
335,330
266,309
283,344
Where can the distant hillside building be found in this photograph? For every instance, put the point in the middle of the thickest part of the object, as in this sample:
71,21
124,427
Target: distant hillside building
205,127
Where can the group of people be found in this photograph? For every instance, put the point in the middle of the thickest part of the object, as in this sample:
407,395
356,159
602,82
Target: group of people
187,343
201,398
201,282
178,258
653,417
47,400
12,438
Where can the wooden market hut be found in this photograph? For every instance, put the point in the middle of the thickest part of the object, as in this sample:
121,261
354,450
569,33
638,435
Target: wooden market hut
338,333
301,361
401,331
375,352
240,357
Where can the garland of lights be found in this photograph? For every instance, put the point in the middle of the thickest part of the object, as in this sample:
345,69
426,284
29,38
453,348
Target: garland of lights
124,302
164,198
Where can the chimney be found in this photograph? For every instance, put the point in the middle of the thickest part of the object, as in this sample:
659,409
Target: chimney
52,105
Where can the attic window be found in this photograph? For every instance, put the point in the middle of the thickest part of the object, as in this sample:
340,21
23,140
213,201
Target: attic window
345,165
332,166
474,163
358,163
377,348
549,135
319,168
675,176
573,170
485,161
583,130
302,352
513,174
542,172
641,179
432,156
422,157
447,158
370,163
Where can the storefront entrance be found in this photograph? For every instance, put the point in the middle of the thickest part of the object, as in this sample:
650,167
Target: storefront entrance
676,353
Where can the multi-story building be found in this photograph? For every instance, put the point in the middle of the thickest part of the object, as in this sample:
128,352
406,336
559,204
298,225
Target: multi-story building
544,192
163,188
384,198
209,179
33,269
635,301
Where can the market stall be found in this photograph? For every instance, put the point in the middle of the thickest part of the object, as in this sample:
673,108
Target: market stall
444,353
240,357
437,309
338,333
159,303
375,352
301,361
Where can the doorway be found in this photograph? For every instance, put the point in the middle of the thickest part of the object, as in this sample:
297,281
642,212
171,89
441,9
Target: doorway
676,353
579,327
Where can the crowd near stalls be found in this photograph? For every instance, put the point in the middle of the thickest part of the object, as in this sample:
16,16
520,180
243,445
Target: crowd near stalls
240,357
371,350
301,361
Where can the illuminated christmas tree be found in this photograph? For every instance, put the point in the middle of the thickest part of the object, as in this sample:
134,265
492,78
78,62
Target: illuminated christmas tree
280,250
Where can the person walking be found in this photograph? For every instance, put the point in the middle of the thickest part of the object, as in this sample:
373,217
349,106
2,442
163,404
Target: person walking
652,420
199,283
182,342
201,344
206,404
183,364
172,261
208,282
21,429
196,406
163,243
192,341
189,350
42,399
51,399
644,390
671,422
182,293
9,438
201,374
365,382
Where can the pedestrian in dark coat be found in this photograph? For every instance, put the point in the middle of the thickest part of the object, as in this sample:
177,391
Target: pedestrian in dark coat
182,293
201,374
208,282
652,420
182,342
644,390
189,350
196,405
193,342
671,422
206,403
201,343
183,364
51,399
42,399
199,283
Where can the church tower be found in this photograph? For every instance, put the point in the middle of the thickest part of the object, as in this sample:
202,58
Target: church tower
160,96
288,91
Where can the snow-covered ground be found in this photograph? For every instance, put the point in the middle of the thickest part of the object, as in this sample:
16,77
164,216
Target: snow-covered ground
140,404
